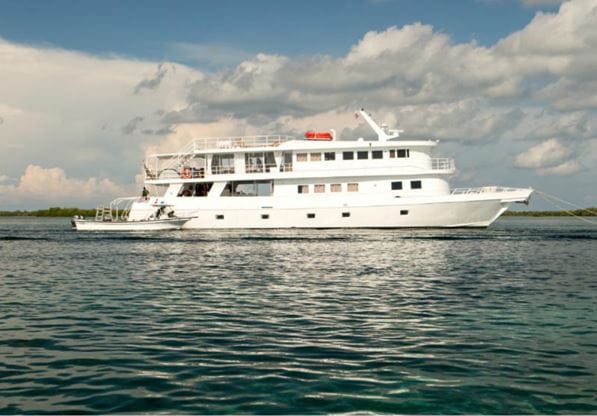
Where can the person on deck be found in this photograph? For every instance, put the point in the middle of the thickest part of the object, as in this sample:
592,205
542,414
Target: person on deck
145,193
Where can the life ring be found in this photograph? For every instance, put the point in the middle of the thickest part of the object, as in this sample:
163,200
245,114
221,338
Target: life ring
186,173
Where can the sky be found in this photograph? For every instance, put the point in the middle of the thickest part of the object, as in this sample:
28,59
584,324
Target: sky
87,89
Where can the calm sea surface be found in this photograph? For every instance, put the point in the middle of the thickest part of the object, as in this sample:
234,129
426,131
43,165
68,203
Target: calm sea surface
501,320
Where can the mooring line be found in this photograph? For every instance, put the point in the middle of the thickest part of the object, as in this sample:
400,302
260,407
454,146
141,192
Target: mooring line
547,197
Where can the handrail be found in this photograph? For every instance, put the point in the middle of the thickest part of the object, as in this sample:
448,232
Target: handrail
482,190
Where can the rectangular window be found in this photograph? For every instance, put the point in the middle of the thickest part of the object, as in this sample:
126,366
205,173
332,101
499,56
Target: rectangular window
222,163
403,212
362,155
264,216
415,185
319,188
353,187
336,187
248,188
403,153
301,157
392,153
348,155
396,186
303,189
219,217
315,157
254,162
377,154
310,215
345,214
329,156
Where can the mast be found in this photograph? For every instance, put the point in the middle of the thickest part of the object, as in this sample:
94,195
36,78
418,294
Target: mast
382,136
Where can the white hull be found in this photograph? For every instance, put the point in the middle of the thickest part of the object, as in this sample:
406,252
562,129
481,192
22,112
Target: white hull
478,210
148,225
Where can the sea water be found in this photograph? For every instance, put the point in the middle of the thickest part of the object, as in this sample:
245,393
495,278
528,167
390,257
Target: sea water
497,320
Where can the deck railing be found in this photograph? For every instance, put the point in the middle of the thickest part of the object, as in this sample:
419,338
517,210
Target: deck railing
239,141
481,190
443,163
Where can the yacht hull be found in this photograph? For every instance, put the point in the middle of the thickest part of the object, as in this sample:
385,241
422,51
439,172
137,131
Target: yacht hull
463,210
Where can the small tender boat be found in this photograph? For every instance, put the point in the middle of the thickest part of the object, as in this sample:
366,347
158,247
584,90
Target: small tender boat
115,218
145,225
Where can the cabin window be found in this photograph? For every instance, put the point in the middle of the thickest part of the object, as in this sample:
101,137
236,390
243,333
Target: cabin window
264,216
303,189
315,157
248,188
310,215
258,162
353,187
329,156
219,217
362,155
392,153
415,185
345,214
301,157
254,162
377,154
186,190
222,163
336,187
403,212
319,188
396,186
403,153
348,155
286,165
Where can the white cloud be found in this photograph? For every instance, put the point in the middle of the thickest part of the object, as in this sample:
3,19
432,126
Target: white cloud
567,168
539,3
548,158
53,186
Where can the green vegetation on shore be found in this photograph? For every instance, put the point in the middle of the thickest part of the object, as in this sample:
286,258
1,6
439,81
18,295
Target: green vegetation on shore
50,212
586,212
69,212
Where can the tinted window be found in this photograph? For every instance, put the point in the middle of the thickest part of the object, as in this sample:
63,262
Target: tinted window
329,156
348,155
396,186
415,185
362,155
403,153
310,215
377,154
403,212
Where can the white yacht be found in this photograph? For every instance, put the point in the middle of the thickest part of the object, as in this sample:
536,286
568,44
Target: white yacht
317,182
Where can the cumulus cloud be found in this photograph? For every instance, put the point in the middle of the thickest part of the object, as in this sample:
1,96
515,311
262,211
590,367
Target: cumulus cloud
567,168
546,154
550,157
53,186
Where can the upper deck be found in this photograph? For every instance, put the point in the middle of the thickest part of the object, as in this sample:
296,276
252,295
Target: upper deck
278,155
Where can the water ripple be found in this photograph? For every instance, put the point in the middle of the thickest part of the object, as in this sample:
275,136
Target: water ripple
296,321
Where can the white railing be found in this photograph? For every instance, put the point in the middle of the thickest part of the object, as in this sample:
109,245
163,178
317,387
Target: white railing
481,190
443,163
238,142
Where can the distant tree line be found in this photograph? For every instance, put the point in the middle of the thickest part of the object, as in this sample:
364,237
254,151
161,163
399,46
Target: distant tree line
586,212
50,212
